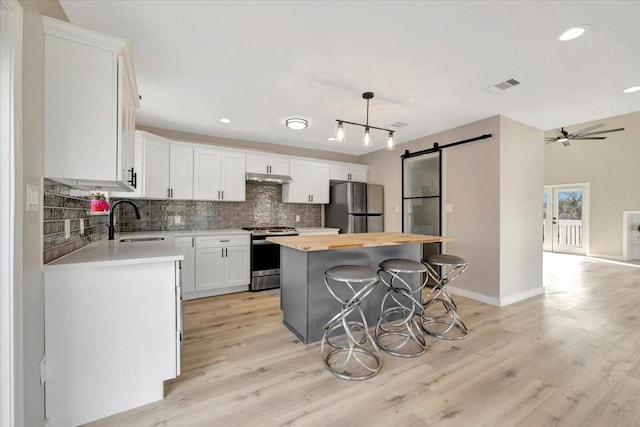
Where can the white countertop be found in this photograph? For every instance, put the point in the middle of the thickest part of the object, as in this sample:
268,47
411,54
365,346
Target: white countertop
105,253
315,229
113,252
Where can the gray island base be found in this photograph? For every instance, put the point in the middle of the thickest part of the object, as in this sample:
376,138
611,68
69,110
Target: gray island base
306,302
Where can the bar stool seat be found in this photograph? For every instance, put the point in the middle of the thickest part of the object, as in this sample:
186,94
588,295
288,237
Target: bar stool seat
400,307
348,350
445,325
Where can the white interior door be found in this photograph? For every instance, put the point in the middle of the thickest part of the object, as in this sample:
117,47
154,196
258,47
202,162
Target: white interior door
566,218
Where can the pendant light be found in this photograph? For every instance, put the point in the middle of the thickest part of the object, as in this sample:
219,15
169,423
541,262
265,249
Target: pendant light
366,137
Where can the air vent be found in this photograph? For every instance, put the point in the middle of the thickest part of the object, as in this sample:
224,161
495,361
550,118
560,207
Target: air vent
497,88
398,125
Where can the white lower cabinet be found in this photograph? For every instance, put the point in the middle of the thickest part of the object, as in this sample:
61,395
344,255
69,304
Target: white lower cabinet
187,246
215,265
112,337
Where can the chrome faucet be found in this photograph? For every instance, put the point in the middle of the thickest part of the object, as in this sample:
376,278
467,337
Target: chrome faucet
112,210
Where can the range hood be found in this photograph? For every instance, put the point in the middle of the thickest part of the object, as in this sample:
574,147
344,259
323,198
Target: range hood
267,177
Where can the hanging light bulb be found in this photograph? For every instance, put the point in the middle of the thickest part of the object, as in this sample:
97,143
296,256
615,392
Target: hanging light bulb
390,142
340,132
366,139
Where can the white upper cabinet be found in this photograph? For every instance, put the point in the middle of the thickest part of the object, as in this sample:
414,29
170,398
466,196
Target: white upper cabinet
218,175
181,159
90,100
168,169
156,154
267,164
349,172
310,182
165,168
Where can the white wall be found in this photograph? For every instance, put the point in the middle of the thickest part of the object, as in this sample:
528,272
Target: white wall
32,163
521,184
495,187
612,167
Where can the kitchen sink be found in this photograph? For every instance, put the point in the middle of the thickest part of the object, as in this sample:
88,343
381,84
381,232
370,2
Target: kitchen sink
141,239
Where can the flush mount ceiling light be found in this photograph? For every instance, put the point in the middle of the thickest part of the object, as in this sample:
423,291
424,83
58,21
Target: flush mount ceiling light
366,137
225,121
573,33
632,89
296,123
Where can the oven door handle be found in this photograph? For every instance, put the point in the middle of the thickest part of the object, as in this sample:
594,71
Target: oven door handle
262,242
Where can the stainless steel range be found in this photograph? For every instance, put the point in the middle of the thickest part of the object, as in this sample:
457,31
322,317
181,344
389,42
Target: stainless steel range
265,256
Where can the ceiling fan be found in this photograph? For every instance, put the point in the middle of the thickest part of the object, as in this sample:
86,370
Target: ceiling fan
564,137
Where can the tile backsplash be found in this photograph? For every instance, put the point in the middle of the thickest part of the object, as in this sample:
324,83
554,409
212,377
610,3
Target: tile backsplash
62,202
263,206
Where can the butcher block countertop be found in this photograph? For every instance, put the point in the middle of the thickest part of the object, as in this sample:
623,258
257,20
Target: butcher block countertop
353,240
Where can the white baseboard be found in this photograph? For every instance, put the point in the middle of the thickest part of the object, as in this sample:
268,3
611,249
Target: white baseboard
523,295
214,292
498,302
474,295
613,257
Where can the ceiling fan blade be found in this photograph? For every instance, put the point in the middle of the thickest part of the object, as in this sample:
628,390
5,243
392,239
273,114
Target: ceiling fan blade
578,132
600,131
550,142
559,133
588,137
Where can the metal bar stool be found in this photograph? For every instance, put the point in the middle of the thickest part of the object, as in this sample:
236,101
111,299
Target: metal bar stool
400,307
348,350
445,325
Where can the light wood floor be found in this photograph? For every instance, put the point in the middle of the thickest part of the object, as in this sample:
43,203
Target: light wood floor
568,358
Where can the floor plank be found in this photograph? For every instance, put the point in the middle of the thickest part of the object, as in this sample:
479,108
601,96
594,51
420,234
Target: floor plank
567,358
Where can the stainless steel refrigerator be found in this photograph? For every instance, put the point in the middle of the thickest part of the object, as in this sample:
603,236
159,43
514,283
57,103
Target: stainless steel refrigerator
355,207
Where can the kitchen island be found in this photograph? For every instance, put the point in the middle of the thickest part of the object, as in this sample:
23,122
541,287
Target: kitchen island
306,304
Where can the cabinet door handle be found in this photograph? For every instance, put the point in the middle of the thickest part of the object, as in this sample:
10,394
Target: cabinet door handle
168,192
218,194
221,252
222,194
312,198
224,241
172,193
193,242
226,252
132,180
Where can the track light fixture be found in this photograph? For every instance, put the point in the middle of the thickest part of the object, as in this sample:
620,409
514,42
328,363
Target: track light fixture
366,137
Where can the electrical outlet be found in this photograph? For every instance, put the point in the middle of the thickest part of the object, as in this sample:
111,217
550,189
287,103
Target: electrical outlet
177,219
67,228
448,208
82,227
397,208
297,218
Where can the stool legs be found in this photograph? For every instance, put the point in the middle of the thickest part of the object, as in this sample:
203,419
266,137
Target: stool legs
398,313
447,324
348,349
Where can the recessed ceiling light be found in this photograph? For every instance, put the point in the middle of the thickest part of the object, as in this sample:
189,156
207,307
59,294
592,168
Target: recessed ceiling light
331,139
573,33
632,89
225,121
296,123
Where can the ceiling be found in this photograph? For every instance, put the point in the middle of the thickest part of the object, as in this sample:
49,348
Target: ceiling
428,63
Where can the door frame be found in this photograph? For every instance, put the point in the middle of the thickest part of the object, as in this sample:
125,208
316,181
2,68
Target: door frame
11,386
551,245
